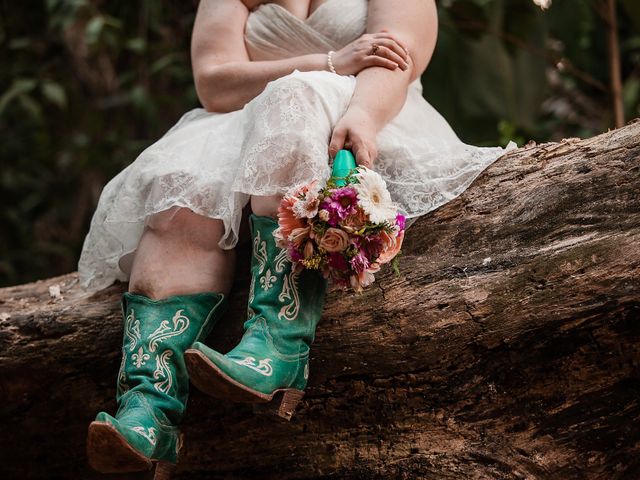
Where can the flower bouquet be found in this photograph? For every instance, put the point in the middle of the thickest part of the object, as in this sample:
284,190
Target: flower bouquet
346,229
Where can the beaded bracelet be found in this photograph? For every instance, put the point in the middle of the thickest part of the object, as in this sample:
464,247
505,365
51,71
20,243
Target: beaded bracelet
330,61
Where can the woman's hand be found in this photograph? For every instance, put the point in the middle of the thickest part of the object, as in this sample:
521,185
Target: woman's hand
357,56
357,132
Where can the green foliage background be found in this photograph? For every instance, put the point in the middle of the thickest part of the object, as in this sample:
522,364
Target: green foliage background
86,85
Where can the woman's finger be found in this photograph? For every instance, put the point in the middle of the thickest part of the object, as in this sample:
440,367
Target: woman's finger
384,34
362,155
337,141
377,60
393,45
391,55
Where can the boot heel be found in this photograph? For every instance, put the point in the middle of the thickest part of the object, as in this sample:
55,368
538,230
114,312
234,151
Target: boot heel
283,404
163,471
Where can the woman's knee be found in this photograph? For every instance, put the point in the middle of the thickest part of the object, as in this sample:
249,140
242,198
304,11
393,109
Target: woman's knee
183,225
265,206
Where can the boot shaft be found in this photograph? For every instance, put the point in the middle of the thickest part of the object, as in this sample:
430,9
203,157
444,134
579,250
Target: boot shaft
156,335
290,301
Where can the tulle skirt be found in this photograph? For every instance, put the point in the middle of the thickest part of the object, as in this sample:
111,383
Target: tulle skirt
212,163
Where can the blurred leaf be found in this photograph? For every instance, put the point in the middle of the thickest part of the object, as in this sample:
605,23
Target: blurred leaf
631,96
30,106
19,43
54,92
19,86
162,63
138,45
94,29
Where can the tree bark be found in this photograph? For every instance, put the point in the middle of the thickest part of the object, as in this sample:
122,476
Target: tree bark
507,348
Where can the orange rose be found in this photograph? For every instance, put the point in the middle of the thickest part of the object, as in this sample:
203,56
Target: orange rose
388,254
334,240
299,235
356,220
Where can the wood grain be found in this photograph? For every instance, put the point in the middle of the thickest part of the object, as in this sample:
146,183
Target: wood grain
507,348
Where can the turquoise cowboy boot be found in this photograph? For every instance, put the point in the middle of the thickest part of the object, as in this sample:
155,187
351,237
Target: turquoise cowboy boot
271,362
152,384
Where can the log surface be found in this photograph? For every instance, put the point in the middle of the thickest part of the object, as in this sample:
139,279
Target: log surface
507,348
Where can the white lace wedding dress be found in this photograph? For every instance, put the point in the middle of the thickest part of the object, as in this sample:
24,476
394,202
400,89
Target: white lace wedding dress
213,162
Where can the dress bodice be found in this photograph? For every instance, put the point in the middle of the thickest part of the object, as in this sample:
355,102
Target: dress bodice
272,32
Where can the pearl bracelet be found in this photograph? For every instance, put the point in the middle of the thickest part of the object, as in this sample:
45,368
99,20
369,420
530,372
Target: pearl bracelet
330,61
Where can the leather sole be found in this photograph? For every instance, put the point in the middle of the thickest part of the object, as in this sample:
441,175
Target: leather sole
210,379
109,452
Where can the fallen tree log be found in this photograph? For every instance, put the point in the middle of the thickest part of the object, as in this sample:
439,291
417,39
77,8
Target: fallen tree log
507,348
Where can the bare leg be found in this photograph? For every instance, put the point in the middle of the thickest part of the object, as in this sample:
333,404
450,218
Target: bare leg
265,206
179,254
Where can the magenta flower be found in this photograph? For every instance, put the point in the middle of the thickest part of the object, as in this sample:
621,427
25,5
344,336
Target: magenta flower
360,262
400,221
337,261
371,245
340,204
294,254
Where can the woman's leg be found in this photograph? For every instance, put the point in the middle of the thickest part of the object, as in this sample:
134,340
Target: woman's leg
265,206
271,362
179,283
179,254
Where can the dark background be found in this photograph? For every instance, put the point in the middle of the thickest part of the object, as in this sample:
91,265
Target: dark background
86,85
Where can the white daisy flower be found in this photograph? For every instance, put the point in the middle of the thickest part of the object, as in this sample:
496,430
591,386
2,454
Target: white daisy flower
373,196
307,208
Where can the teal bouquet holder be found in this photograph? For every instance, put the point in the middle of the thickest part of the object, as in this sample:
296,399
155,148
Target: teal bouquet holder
343,165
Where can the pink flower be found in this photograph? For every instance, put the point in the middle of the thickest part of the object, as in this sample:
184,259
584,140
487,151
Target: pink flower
372,245
400,221
324,215
334,240
389,253
360,280
341,204
286,218
306,191
307,206
359,263
294,254
299,235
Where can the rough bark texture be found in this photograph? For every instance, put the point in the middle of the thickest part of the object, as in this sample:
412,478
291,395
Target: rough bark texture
507,348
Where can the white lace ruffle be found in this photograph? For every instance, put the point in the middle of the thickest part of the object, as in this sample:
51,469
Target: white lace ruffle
212,163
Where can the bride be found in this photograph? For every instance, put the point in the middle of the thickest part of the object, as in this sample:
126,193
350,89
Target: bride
284,86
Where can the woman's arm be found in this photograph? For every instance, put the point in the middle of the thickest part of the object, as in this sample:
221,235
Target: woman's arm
226,79
380,93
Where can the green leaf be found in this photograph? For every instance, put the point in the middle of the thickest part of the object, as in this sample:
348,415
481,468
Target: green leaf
137,45
162,63
31,106
93,30
54,93
17,88
631,96
19,43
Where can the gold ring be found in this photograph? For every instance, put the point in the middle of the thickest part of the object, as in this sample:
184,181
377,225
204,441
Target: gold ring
374,48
